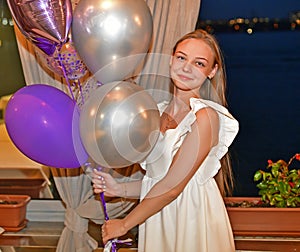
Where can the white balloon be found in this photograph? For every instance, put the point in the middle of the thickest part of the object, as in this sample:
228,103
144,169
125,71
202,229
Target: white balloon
112,36
119,124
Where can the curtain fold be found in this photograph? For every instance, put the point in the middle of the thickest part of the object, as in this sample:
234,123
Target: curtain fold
171,20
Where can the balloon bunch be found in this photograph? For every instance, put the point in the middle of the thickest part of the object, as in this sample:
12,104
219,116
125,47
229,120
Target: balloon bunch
111,37
115,122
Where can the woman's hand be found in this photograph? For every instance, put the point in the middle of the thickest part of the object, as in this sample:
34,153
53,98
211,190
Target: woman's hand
113,229
104,182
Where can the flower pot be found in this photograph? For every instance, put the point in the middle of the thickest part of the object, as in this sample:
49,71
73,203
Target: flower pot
263,221
28,186
13,211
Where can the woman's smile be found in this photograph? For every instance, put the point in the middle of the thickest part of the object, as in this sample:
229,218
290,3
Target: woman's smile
184,77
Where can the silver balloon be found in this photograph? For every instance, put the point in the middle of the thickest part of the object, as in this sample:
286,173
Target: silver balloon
112,36
119,124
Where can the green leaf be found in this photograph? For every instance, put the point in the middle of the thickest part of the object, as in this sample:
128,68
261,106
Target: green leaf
275,172
291,202
282,187
257,176
262,186
278,197
273,201
266,176
273,191
281,204
275,166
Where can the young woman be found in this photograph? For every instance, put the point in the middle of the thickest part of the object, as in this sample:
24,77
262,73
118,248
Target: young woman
181,206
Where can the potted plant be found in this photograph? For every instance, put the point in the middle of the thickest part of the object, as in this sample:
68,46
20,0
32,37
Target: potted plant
13,211
277,211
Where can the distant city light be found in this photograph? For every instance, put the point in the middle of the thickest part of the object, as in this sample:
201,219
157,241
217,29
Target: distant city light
249,31
249,25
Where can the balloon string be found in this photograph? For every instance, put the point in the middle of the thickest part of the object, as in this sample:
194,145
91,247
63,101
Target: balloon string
104,205
64,73
113,242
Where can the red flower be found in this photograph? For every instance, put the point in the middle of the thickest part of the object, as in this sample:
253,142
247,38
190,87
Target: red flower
291,184
297,156
270,162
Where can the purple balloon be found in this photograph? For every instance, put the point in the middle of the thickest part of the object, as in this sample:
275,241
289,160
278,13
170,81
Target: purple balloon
43,123
45,22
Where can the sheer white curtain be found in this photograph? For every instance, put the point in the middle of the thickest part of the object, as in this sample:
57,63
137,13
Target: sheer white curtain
171,20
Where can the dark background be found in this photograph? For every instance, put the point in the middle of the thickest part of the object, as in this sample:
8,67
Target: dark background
263,74
11,74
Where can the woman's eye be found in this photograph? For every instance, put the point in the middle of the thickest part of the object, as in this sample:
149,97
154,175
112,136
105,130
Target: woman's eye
179,57
200,64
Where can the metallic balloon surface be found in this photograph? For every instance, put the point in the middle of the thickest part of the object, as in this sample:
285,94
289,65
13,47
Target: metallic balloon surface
45,22
112,36
119,124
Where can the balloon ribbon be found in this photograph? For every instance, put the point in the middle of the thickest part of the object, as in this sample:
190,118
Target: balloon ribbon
111,244
65,72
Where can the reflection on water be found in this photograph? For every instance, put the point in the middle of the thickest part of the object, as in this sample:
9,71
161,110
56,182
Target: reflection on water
263,71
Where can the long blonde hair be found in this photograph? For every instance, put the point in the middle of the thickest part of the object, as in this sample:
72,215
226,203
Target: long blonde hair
214,89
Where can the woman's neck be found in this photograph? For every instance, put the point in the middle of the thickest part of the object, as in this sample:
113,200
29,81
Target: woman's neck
181,101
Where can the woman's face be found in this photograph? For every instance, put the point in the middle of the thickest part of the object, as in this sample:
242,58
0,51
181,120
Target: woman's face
191,64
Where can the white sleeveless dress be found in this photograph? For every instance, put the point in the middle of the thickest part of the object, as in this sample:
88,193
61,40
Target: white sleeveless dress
197,220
